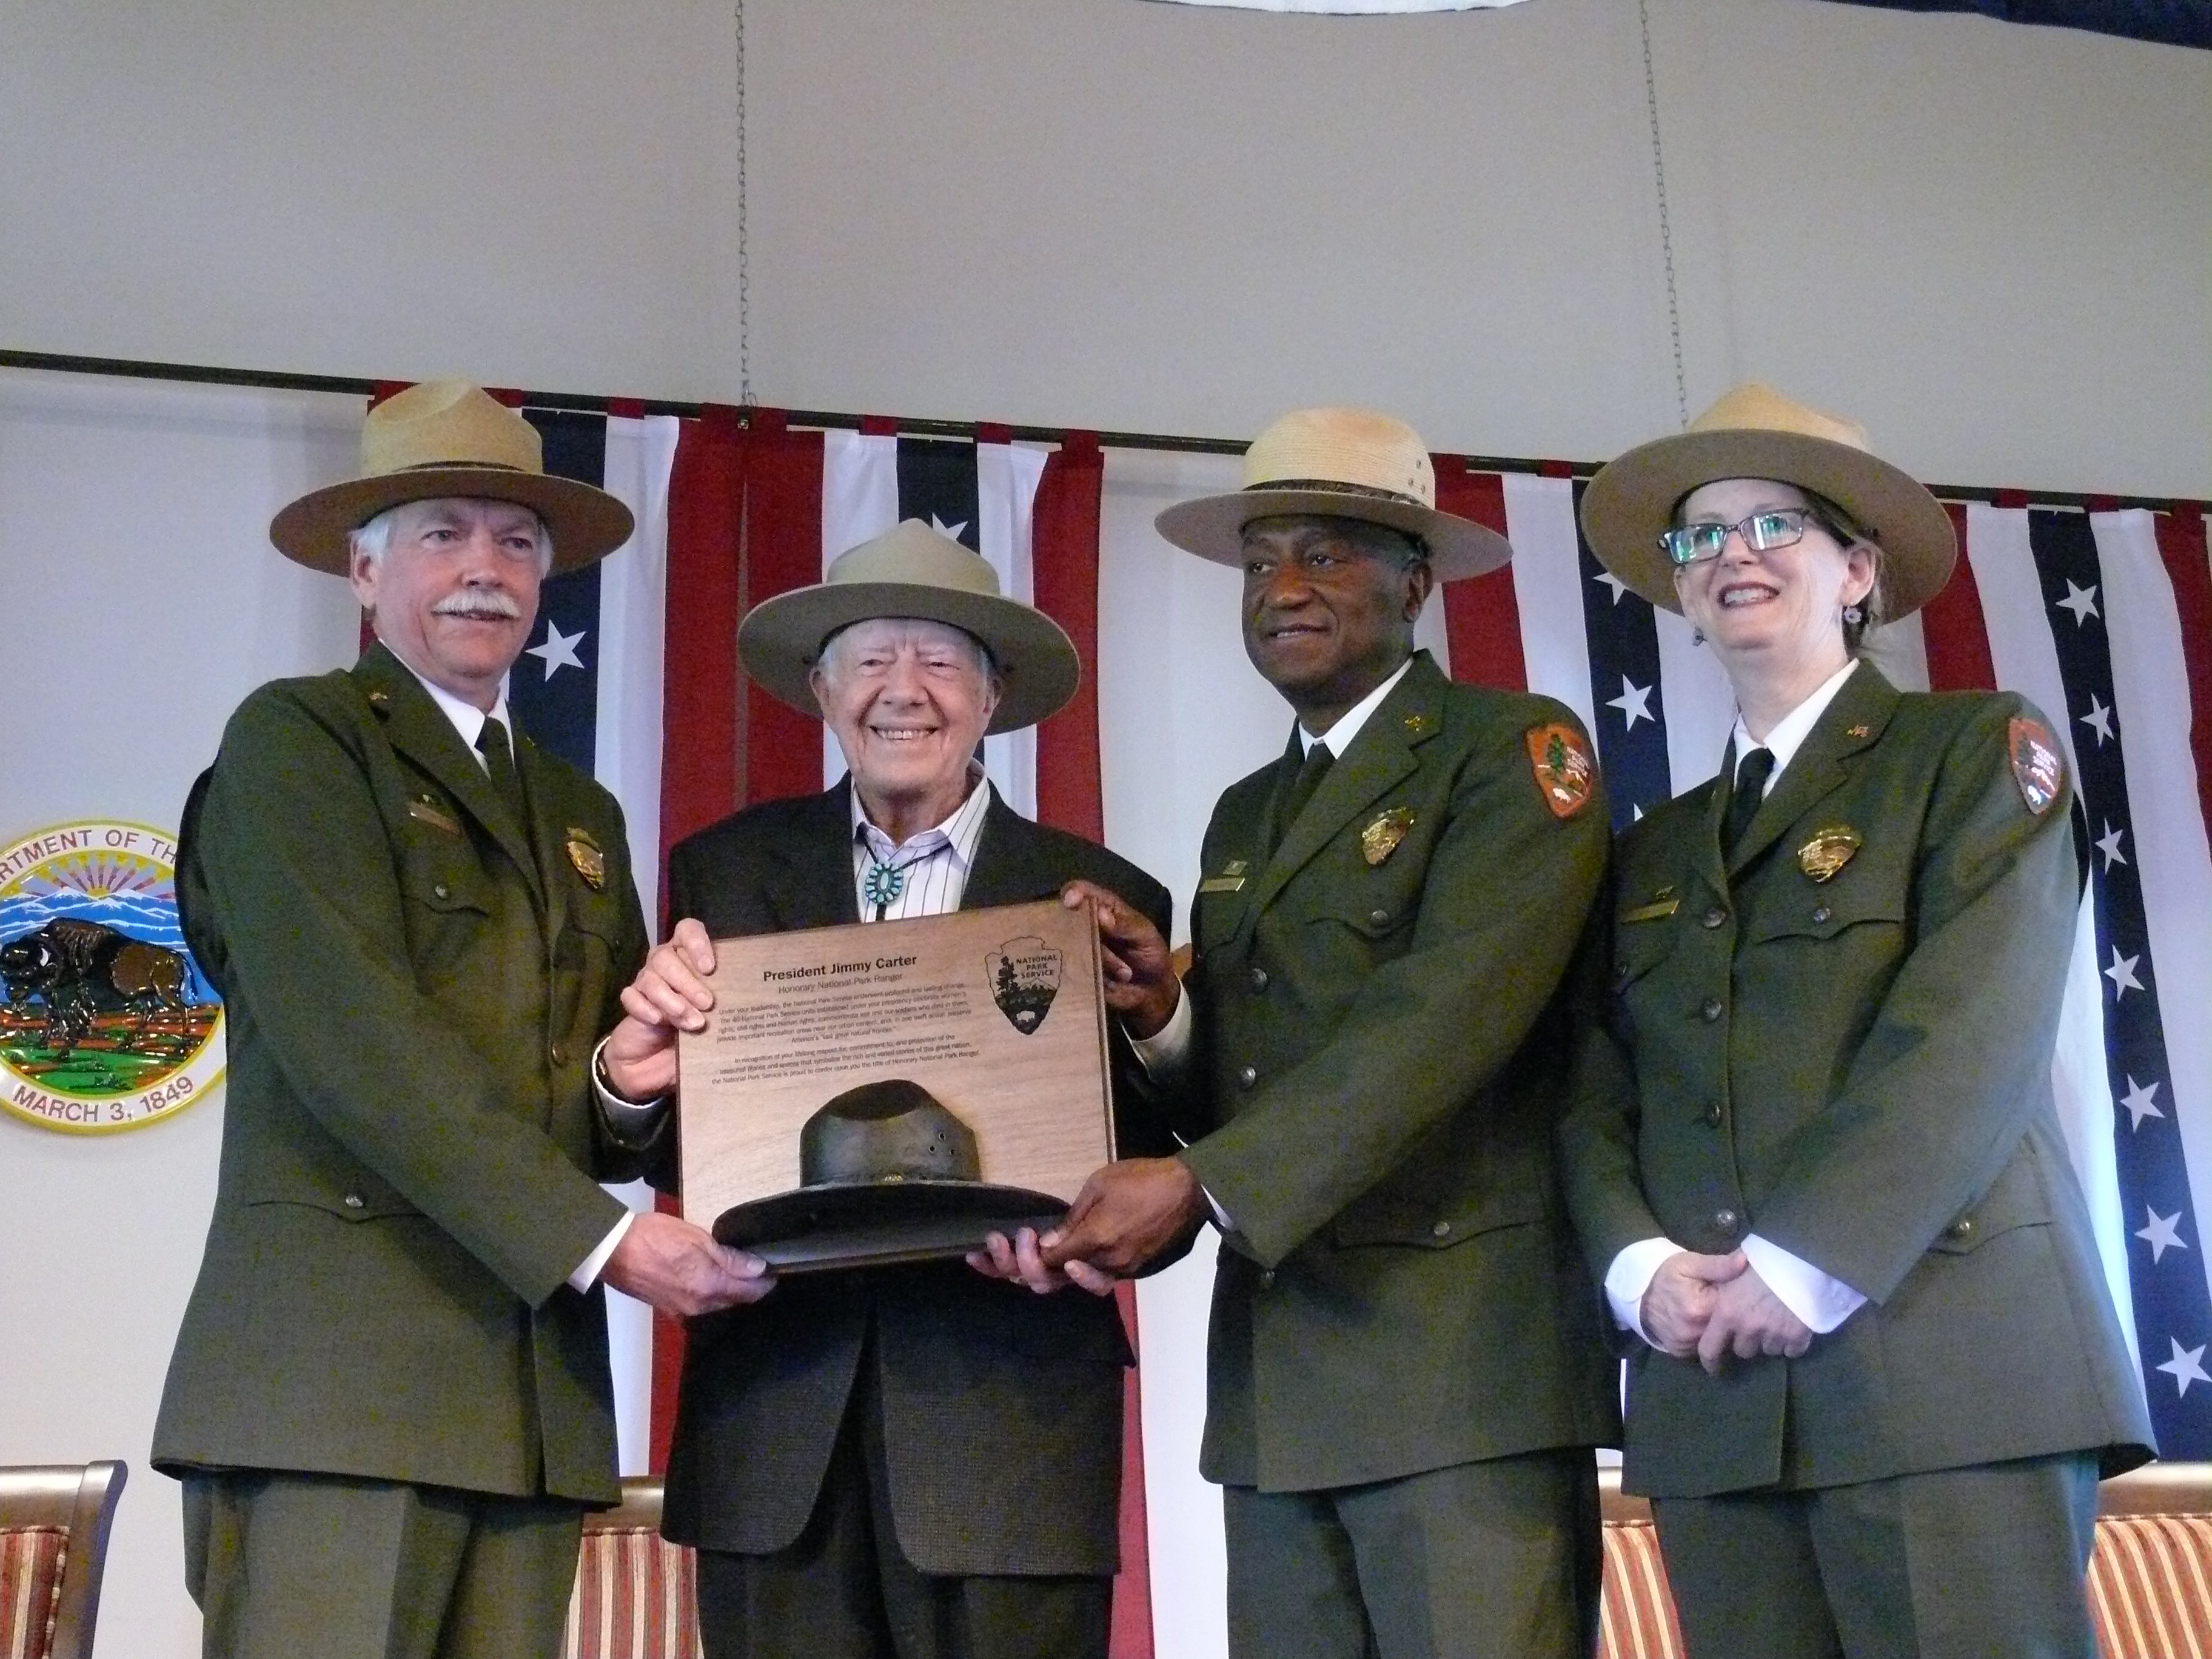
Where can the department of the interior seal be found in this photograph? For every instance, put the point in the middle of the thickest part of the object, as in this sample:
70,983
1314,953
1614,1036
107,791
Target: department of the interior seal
106,1022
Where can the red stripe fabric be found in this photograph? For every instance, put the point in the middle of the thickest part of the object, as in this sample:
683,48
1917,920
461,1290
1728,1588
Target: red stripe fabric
782,747
1063,557
1482,617
1064,549
2181,546
32,1559
1951,624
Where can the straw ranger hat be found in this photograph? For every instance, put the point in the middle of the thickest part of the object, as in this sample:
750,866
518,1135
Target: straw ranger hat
1340,464
912,570
1754,432
448,439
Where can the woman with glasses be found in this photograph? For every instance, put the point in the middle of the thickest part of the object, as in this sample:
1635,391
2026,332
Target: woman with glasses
1875,1368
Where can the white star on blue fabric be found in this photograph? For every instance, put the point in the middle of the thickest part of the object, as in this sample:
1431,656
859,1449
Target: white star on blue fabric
2081,601
2141,1102
558,650
2160,1235
2186,1367
2109,845
1611,581
2099,719
1634,703
951,531
2122,973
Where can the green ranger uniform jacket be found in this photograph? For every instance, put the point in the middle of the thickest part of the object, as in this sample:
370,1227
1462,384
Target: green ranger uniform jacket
1840,1039
1381,1042
413,984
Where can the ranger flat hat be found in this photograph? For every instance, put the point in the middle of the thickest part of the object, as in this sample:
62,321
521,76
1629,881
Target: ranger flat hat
448,439
1754,432
886,1173
1338,463
911,570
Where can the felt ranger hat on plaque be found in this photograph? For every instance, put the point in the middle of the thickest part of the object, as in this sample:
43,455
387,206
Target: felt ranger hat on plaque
441,439
886,1173
1338,463
1754,432
911,570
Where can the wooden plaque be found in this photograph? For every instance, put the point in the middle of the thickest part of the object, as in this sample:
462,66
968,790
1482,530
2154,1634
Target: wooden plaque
998,1014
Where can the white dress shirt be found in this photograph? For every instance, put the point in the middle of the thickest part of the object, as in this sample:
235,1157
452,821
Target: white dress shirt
1821,1301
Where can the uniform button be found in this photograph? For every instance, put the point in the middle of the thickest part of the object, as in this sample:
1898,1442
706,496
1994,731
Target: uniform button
1378,918
1259,979
1267,1278
1714,917
560,1054
1247,1075
1709,1010
1442,1230
1822,914
1962,1228
442,890
353,1201
1621,976
1724,1220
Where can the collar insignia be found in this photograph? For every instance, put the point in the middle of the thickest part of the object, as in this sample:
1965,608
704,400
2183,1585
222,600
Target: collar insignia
1829,851
584,853
1420,724
1862,730
1381,837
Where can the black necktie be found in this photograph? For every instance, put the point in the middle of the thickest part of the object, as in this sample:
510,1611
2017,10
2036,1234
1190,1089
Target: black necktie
1318,760
499,760
1751,776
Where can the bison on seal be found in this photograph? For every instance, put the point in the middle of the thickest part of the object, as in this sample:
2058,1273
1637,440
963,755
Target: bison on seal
77,969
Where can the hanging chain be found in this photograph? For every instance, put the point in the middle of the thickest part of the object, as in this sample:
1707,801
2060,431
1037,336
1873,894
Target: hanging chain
1666,230
744,250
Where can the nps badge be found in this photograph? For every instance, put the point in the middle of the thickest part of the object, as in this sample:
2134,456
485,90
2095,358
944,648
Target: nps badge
107,1021
1564,775
1382,834
590,863
1829,851
1025,979
2036,767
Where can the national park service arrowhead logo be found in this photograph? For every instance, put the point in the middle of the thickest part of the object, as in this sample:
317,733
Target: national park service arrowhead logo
2036,767
1025,978
1565,774
106,1022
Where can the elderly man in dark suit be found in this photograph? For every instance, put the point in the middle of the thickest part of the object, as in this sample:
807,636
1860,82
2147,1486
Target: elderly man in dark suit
923,1461
390,1402
1404,1376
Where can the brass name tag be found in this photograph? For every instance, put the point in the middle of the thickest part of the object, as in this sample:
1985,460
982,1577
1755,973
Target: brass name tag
1653,911
1221,884
428,812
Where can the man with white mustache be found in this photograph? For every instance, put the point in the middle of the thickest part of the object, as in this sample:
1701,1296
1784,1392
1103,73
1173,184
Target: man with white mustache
390,1402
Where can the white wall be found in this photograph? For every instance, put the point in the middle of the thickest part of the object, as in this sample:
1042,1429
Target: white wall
1990,243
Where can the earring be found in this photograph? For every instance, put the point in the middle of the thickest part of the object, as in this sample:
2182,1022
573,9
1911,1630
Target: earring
1696,637
1854,615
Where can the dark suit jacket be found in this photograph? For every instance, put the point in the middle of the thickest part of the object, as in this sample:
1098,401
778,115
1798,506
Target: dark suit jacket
1002,1409
413,984
1381,1045
1859,1070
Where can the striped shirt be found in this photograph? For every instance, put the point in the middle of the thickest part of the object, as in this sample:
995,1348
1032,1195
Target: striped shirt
930,872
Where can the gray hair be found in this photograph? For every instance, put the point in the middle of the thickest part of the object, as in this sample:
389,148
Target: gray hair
828,659
373,539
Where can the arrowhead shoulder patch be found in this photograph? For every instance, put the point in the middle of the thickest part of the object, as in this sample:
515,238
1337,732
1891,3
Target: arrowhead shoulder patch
2036,766
1565,775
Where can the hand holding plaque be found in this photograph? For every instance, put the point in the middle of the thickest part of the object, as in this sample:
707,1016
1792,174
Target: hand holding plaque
893,1092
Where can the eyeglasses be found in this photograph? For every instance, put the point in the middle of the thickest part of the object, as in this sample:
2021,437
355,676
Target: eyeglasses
1762,532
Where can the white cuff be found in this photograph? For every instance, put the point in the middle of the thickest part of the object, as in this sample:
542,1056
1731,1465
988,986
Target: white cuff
1163,1054
1821,1302
632,1122
587,1275
1630,1276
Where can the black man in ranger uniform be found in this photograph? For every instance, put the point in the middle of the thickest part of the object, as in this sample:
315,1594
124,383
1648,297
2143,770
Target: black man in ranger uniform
390,1402
1815,1155
1406,1373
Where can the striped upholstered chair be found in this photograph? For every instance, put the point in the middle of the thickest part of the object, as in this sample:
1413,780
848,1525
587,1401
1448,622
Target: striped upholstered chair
2150,1580
53,1546
635,1596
